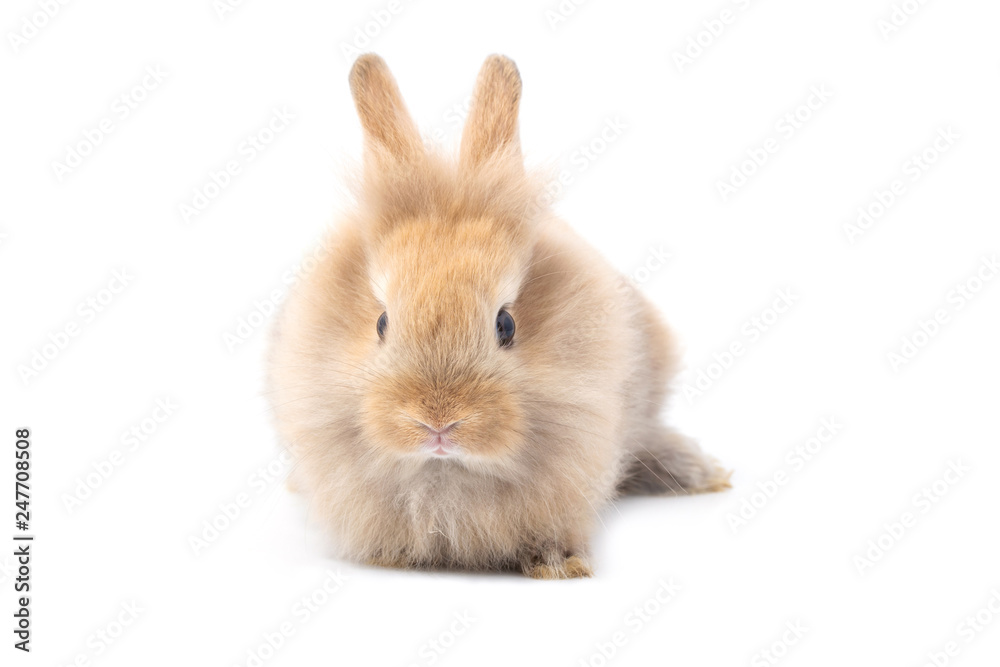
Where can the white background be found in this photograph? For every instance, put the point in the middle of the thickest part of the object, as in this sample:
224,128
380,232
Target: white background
686,127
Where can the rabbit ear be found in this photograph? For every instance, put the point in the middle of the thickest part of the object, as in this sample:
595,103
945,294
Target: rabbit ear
492,124
389,130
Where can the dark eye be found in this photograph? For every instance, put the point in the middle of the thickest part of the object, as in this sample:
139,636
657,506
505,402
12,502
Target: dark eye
383,322
505,328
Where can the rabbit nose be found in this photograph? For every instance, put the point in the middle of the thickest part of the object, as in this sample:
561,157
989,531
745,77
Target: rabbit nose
438,428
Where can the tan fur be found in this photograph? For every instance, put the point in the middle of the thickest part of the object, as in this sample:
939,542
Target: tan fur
550,429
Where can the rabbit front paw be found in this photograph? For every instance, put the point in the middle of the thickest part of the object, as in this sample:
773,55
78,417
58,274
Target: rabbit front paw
557,566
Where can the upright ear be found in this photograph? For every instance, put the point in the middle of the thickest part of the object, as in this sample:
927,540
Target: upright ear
389,130
492,124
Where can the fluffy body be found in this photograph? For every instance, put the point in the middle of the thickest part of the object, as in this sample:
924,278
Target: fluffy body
542,433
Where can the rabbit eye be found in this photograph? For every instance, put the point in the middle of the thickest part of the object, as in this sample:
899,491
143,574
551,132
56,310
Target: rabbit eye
505,328
383,322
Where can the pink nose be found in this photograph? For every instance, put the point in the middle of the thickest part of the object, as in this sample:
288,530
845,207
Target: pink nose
439,443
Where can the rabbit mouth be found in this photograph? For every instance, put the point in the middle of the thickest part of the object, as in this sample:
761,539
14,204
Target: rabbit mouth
439,442
439,446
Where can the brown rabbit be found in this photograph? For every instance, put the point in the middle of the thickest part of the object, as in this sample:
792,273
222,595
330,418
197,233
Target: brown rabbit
463,381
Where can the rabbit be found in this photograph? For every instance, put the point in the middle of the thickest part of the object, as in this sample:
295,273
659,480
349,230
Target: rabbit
464,383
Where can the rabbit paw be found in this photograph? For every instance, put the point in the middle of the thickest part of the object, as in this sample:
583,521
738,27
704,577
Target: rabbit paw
673,463
716,479
557,567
